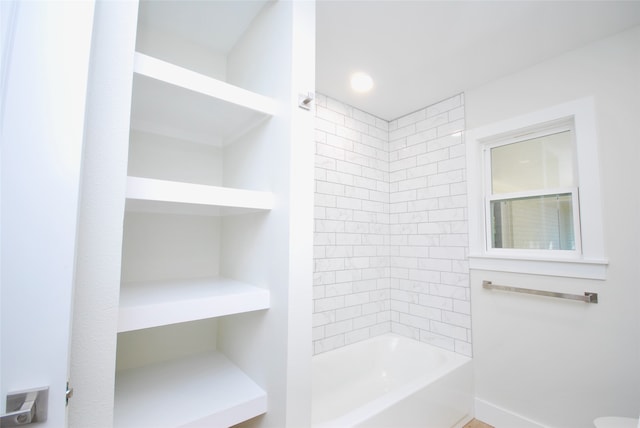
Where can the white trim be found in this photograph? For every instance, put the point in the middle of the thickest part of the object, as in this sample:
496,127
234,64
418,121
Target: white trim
591,263
577,268
500,417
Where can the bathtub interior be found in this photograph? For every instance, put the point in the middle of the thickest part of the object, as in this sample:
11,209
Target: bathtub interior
352,383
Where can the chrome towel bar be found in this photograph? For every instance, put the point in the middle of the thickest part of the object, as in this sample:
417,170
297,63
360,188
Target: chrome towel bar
588,297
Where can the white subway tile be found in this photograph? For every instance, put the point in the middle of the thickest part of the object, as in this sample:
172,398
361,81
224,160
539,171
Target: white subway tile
414,321
323,318
356,299
391,230
348,313
402,164
422,171
437,340
455,318
350,134
439,302
337,106
433,122
328,344
449,330
421,137
411,118
325,125
330,151
349,203
411,184
364,117
357,335
329,226
427,312
325,162
348,276
329,264
329,115
357,193
324,238
446,178
464,348
356,125
462,306
338,327
444,142
329,303
357,158
338,289
402,132
320,278
452,164
445,105
365,321
339,142
403,196
335,251
450,128
447,253
433,157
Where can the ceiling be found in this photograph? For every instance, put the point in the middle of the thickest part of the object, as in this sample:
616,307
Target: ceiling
420,52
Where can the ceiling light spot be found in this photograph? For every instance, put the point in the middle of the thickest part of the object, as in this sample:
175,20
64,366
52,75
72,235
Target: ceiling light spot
361,82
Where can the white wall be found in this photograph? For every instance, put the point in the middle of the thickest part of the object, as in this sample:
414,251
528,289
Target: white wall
555,362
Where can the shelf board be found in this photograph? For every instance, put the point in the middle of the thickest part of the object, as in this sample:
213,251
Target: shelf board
171,100
201,390
152,195
156,303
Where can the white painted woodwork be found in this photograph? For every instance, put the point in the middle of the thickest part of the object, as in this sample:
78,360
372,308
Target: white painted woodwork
144,237
156,303
172,100
200,390
152,195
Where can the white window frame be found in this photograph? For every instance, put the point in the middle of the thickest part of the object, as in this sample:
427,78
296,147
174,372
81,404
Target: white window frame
588,260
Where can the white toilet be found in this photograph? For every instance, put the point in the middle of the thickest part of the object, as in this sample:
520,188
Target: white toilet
616,422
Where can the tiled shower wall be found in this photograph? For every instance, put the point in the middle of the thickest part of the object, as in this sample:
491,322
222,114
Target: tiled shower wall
391,226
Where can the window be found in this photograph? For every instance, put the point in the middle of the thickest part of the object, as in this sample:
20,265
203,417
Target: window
533,209
532,191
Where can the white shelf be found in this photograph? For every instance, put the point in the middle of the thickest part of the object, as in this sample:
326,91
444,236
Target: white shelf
151,195
173,101
201,390
155,303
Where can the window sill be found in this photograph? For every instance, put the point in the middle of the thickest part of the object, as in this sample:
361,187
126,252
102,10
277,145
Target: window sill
572,268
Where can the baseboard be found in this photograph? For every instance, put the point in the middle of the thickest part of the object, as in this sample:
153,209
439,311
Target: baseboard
499,417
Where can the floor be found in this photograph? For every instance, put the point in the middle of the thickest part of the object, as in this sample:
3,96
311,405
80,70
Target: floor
477,424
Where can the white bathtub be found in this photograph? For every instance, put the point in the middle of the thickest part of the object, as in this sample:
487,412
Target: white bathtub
391,382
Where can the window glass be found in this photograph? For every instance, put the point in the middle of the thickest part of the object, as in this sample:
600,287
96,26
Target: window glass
538,223
539,163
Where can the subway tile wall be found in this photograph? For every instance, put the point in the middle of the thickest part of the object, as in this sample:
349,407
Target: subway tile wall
391,226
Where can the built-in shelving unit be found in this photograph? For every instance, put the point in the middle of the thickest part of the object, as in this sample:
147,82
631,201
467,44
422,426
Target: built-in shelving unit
196,221
174,112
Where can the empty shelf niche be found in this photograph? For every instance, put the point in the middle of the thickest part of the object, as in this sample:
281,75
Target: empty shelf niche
172,100
204,390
